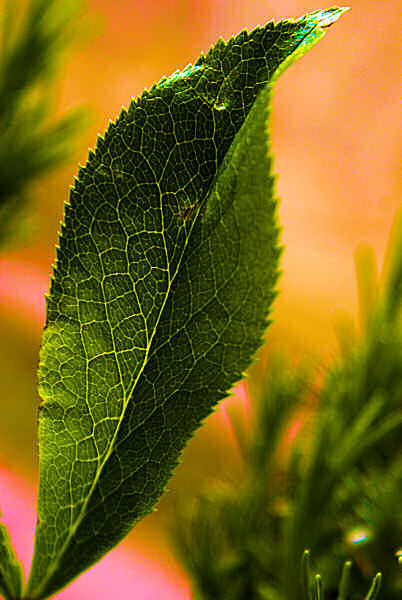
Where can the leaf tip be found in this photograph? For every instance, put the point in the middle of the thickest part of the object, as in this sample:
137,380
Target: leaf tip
326,18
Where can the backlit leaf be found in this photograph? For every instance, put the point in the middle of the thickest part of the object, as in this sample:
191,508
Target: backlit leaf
160,295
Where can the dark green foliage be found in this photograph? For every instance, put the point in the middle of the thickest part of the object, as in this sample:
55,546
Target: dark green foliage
338,491
31,142
313,587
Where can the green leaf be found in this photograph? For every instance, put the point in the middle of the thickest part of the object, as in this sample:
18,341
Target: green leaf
318,593
11,572
306,576
375,588
345,581
161,291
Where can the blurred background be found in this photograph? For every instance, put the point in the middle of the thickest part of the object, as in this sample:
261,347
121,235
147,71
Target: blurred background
336,134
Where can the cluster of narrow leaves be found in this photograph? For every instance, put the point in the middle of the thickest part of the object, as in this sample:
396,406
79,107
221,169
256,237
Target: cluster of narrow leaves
32,38
313,588
160,296
334,489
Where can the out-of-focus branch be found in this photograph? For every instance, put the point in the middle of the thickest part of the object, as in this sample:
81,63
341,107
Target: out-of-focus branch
33,42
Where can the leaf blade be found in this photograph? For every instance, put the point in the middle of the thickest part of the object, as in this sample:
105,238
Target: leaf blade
11,571
133,251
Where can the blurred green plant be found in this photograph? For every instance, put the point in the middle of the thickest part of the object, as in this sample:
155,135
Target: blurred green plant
312,586
33,42
335,488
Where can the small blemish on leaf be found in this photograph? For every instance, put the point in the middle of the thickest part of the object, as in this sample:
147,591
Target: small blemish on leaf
188,212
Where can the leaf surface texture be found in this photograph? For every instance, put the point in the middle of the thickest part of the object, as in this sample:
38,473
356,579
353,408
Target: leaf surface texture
163,282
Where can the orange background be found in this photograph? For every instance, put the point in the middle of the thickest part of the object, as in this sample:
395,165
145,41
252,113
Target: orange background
335,128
